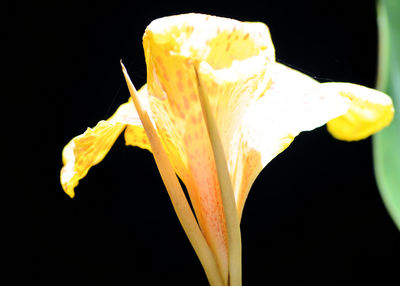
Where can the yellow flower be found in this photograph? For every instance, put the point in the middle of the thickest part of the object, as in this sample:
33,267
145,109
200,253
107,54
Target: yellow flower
216,109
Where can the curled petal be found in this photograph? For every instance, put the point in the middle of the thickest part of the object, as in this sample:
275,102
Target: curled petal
370,111
85,151
89,148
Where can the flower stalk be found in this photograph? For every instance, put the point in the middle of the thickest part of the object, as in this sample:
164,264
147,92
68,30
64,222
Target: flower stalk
174,189
227,193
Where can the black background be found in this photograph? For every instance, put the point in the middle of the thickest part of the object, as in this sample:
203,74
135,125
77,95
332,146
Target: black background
314,215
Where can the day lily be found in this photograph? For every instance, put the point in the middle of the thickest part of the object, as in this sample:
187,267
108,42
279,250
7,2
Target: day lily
216,109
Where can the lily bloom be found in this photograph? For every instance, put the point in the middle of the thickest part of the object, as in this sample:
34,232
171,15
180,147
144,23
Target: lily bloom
216,109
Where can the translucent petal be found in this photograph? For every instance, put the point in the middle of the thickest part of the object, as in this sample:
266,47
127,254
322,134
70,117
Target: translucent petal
295,103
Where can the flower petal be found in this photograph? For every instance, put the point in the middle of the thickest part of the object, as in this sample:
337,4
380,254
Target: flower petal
295,103
370,111
176,112
135,136
85,151
232,60
89,148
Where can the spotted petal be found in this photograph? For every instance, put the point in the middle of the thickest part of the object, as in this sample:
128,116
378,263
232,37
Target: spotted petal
230,60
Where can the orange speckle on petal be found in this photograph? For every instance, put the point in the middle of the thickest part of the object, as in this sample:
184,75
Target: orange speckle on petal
246,36
180,86
199,117
186,102
165,76
190,83
193,96
159,60
193,119
179,74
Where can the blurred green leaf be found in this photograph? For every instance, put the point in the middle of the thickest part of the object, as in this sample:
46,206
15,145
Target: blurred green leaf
387,142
